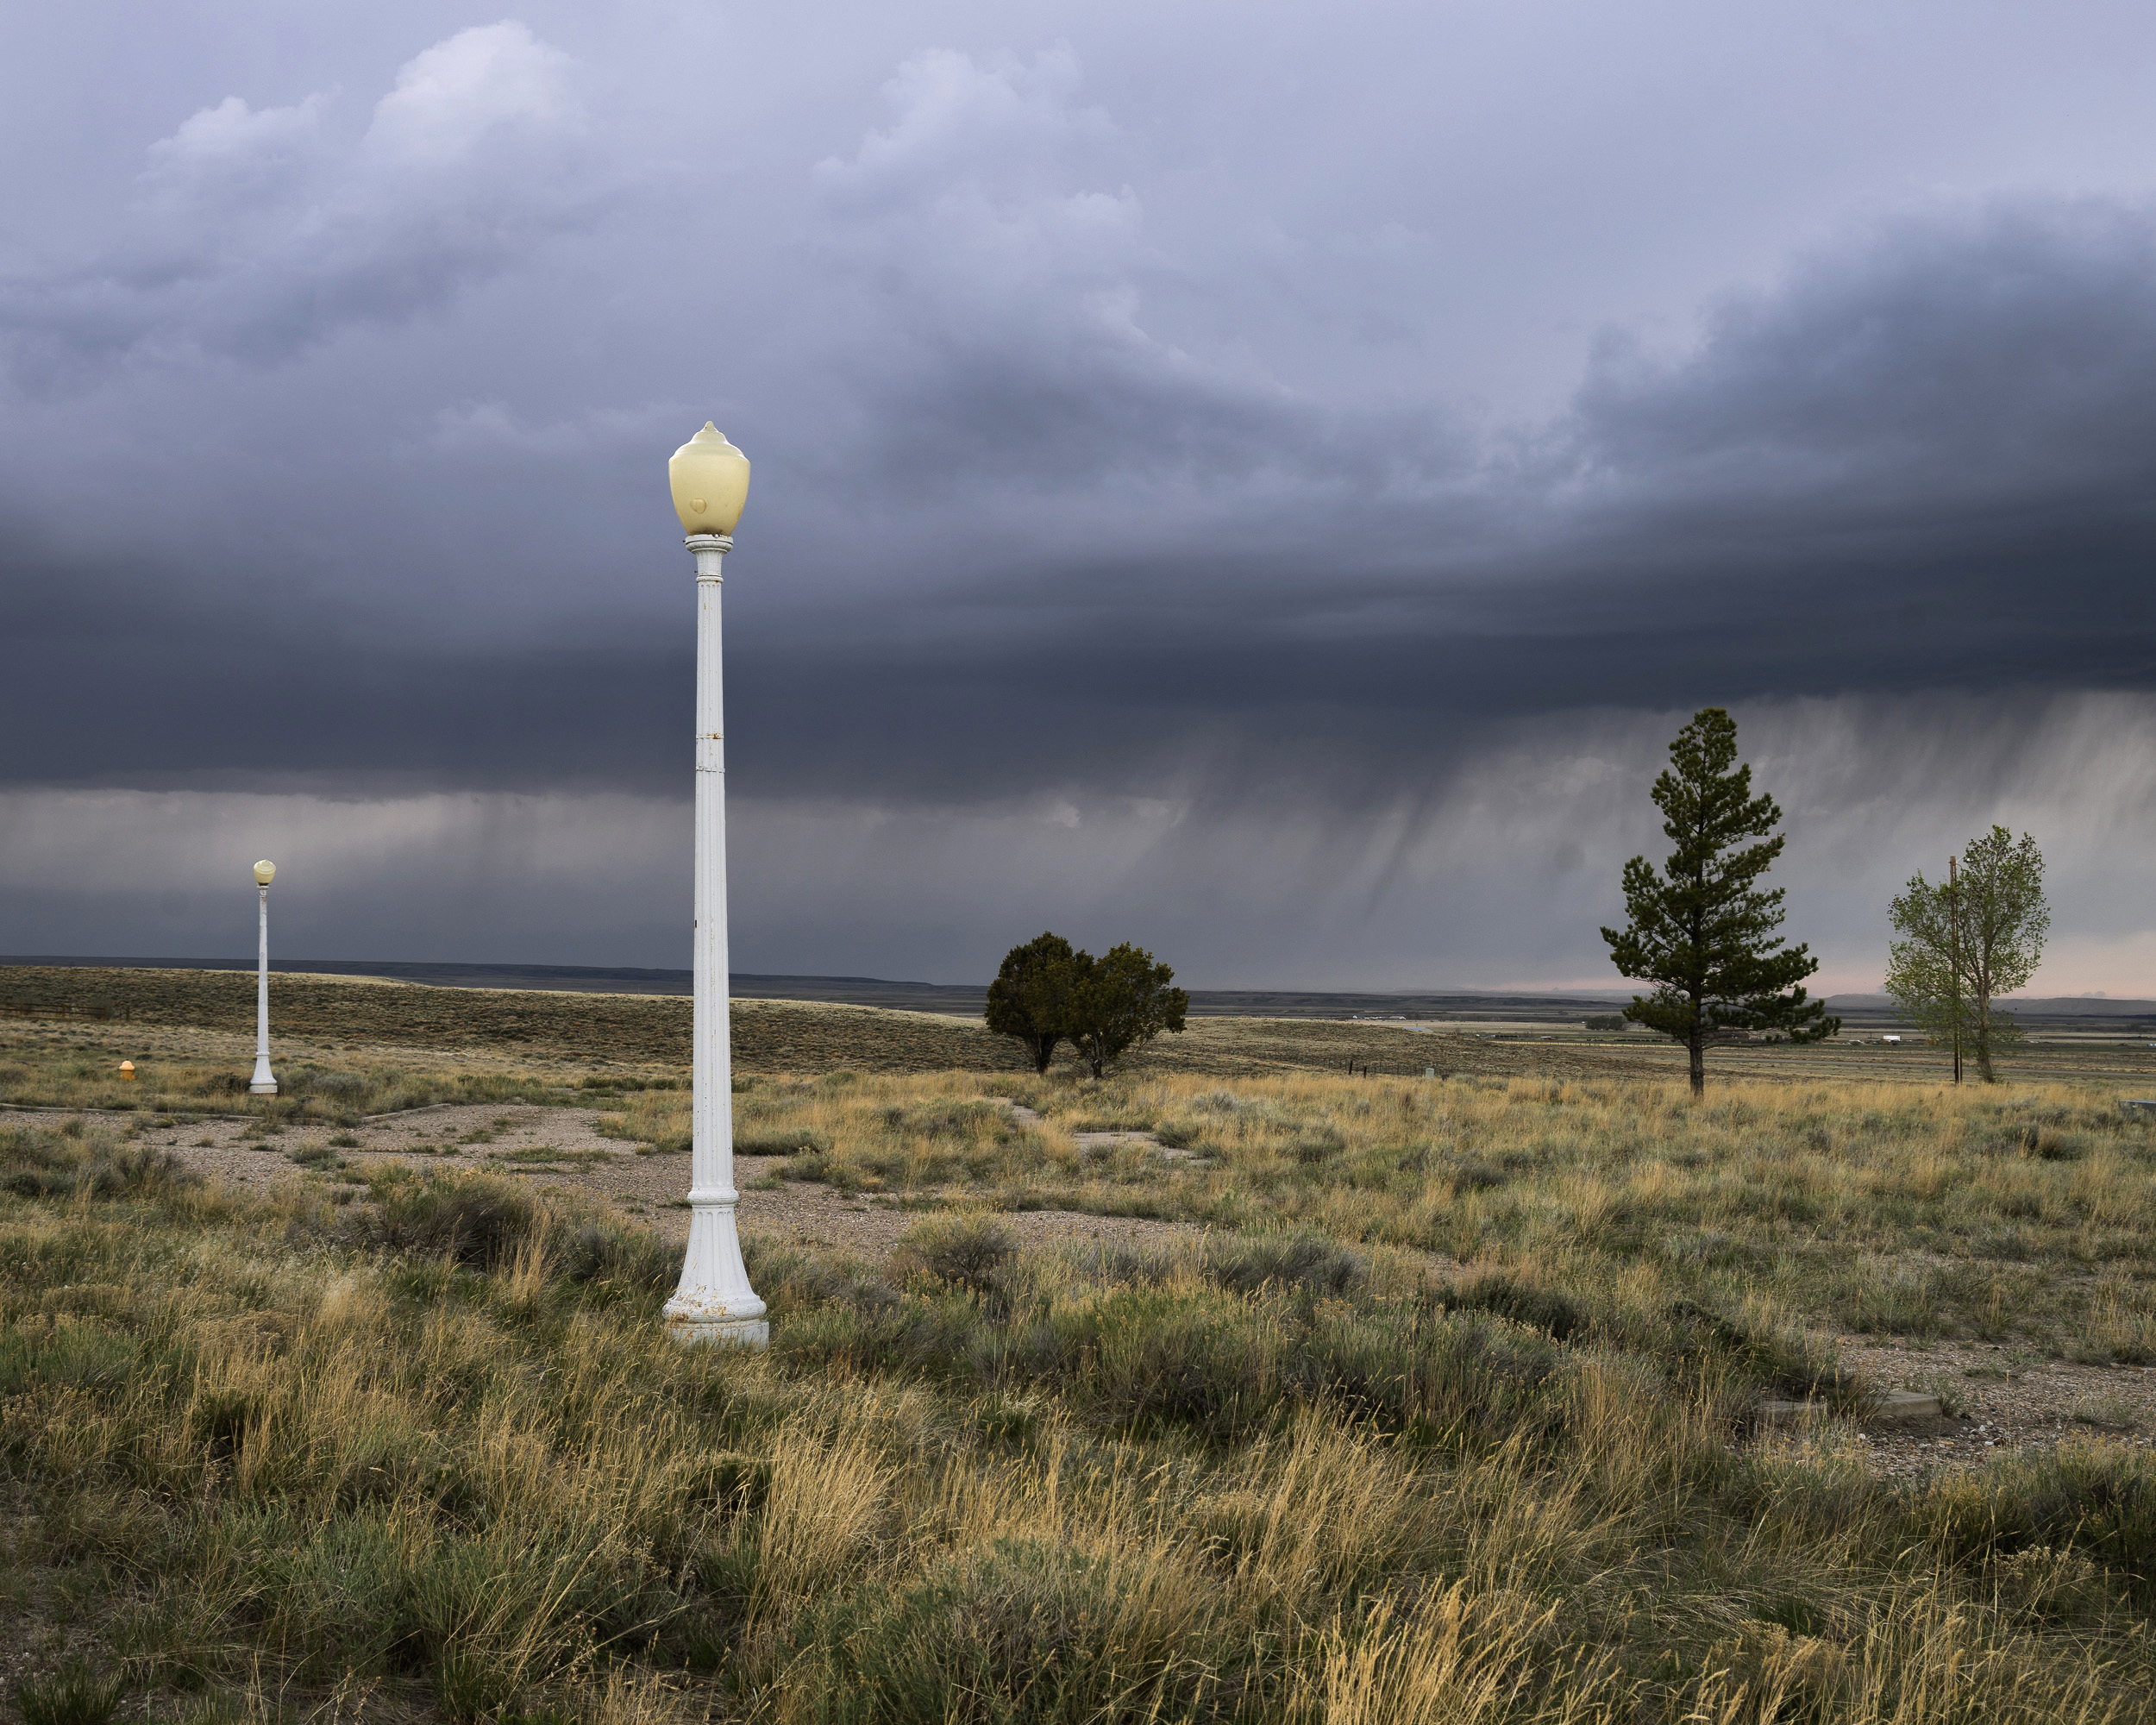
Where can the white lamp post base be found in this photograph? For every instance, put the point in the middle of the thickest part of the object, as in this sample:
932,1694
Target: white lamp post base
749,1333
714,1302
261,1084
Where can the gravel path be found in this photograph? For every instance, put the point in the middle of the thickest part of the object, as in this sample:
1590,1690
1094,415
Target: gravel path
561,1148
2005,1398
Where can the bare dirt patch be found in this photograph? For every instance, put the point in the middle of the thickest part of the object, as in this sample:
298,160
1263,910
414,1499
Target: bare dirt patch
561,1148
1998,1397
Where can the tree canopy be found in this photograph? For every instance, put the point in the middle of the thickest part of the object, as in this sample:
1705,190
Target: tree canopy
1968,939
1701,930
1048,992
1029,999
1123,998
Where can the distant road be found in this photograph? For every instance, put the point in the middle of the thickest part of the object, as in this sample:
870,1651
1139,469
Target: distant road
964,1000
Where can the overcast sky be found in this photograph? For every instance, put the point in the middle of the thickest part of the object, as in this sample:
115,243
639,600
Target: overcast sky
1266,482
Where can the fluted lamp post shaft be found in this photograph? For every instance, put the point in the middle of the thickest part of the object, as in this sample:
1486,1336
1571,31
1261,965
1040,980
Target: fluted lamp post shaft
264,1082
714,1302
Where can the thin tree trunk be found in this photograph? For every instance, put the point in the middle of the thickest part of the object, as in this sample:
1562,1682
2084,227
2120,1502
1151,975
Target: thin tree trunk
1953,913
1698,1046
1983,1039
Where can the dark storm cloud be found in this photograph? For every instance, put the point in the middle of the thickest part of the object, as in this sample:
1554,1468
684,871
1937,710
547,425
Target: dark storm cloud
1924,462
1117,496
2003,352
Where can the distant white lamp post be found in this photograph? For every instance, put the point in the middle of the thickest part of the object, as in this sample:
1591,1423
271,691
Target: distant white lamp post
714,1304
264,1084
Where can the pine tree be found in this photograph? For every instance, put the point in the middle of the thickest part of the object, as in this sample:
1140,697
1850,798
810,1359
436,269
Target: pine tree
1701,931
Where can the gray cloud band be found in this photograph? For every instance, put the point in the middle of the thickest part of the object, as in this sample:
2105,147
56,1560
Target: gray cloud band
1014,535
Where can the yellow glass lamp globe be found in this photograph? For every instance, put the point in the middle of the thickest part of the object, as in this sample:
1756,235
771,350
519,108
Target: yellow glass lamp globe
709,478
265,872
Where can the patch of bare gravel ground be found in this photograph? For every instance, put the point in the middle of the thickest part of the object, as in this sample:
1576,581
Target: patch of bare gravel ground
1996,1396
562,1149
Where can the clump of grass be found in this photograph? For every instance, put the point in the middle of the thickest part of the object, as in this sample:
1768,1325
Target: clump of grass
74,1695
606,1251
1304,1262
481,1221
965,1251
2120,1326
1952,1393
658,1117
782,1141
1524,1302
551,1156
2107,1413
475,1219
72,1162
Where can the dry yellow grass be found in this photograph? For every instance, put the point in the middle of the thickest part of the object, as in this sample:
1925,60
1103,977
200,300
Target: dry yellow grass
2020,1213
432,1457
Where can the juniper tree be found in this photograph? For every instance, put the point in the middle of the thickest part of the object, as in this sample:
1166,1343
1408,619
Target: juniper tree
1121,998
1967,941
1030,997
1701,930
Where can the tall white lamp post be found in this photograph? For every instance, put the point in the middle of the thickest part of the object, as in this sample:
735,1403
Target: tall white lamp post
714,1304
264,1084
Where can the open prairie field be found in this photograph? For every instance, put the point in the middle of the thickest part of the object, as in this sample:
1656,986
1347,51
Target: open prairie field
1252,1393
205,1020
195,1024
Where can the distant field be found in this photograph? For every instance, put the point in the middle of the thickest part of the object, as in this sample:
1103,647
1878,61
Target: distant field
768,1036
548,1028
962,1000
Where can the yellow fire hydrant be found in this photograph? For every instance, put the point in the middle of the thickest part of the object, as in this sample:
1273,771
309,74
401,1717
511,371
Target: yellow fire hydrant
127,1070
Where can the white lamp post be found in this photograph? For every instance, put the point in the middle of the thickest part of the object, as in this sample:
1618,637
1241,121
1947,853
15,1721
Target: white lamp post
714,1304
264,1084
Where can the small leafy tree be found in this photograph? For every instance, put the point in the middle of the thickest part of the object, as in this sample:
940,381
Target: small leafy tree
1921,974
1976,936
1030,997
1701,931
1122,999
